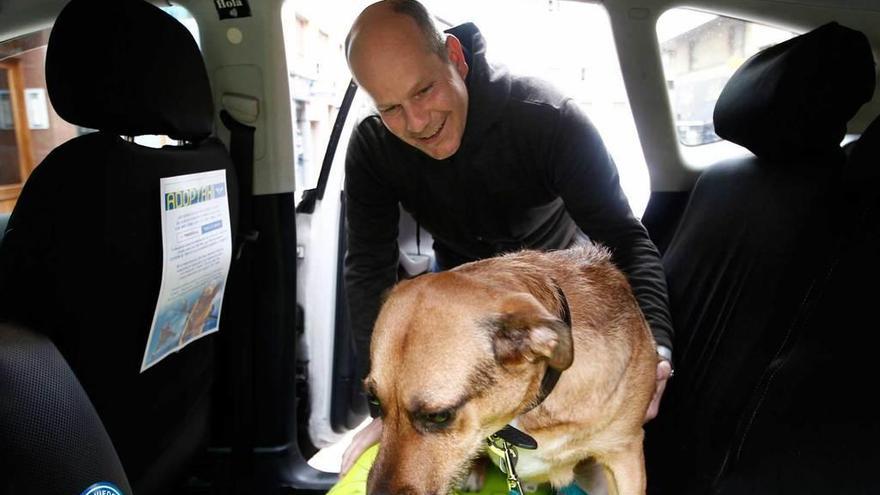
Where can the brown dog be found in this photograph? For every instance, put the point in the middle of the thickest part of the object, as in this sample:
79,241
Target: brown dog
458,355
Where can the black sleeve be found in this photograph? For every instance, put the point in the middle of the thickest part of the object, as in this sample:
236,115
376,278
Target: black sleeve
372,216
584,175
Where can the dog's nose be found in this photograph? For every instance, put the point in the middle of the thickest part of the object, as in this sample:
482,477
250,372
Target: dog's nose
384,490
406,490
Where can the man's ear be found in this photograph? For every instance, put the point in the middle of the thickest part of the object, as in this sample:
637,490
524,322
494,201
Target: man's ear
455,52
525,332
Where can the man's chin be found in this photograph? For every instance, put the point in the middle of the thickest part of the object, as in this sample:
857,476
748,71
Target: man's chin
441,153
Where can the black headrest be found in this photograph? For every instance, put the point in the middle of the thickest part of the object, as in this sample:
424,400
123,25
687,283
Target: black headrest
127,67
795,98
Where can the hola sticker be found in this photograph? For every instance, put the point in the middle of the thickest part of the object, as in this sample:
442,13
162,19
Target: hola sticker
232,9
102,488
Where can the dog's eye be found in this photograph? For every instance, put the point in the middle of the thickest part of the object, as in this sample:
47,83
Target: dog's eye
374,405
439,419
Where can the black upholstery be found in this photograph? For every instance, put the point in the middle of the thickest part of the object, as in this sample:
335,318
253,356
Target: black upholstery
813,423
82,258
53,440
752,249
129,69
795,98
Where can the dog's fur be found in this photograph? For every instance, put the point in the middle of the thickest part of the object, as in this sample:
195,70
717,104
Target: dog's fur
476,341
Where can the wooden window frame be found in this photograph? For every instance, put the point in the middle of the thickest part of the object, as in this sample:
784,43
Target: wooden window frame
20,123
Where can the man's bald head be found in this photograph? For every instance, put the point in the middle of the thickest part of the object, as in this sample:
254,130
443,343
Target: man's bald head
389,15
415,77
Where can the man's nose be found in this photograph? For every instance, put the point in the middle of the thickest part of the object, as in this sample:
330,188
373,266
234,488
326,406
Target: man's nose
417,118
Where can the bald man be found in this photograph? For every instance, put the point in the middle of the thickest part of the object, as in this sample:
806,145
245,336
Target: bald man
486,161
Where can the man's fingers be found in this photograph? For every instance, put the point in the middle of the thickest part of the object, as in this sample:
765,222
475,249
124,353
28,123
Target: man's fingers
350,456
348,461
361,441
664,371
346,464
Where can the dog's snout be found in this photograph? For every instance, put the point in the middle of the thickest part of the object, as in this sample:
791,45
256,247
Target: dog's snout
385,489
391,484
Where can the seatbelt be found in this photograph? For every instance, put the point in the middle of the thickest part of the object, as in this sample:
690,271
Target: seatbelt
311,196
241,149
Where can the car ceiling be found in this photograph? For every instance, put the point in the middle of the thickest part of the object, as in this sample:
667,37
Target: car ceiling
22,16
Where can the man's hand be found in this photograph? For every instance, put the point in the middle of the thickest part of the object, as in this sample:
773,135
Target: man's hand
664,371
361,441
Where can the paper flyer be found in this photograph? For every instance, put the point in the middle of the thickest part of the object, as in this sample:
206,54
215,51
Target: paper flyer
197,252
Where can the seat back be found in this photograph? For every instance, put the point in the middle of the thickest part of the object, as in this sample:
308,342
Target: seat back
812,425
754,240
82,260
53,440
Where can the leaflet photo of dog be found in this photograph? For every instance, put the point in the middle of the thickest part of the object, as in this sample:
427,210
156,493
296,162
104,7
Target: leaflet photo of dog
458,355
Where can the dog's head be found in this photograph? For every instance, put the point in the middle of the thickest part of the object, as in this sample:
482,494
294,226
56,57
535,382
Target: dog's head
454,359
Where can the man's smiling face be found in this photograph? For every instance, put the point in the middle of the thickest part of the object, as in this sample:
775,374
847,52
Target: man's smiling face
421,97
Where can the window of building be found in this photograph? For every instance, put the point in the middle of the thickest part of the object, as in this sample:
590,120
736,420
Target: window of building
29,127
700,52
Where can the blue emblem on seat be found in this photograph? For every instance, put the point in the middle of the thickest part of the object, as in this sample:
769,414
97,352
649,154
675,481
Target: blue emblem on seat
102,488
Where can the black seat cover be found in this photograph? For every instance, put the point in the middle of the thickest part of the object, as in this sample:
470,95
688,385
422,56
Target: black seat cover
813,425
53,440
82,258
794,99
753,241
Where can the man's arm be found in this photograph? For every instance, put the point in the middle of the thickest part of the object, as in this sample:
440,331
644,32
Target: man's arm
371,258
586,178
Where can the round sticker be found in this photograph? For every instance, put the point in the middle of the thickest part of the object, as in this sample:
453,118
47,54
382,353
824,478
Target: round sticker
102,488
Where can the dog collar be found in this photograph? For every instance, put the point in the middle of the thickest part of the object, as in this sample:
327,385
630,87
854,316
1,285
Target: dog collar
551,376
510,433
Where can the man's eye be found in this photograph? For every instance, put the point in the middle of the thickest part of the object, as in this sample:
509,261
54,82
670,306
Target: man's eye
425,90
389,110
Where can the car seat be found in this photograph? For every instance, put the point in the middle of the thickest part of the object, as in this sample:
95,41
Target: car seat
82,259
753,245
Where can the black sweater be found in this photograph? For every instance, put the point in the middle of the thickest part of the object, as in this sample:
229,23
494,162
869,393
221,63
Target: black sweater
530,170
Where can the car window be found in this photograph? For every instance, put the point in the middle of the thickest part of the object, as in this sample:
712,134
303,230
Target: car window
314,33
700,52
569,44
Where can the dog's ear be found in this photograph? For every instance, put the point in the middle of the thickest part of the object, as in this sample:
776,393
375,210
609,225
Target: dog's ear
524,331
